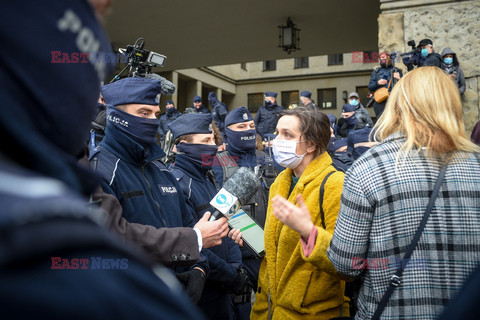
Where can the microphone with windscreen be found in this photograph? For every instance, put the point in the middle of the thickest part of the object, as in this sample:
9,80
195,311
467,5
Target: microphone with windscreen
236,191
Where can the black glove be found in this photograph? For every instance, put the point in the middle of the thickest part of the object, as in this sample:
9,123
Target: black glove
193,281
241,285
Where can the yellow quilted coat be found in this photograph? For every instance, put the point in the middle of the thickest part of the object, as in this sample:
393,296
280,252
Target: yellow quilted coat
300,287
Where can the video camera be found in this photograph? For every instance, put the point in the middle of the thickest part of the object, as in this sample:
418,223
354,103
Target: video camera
412,58
140,60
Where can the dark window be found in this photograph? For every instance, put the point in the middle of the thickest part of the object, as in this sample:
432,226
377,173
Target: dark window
255,101
243,66
363,92
335,59
290,99
301,62
327,98
269,65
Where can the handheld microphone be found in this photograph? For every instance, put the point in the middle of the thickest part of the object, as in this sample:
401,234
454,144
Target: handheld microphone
236,191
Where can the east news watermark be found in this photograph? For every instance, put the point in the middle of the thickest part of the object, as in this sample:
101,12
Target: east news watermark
92,263
86,57
359,263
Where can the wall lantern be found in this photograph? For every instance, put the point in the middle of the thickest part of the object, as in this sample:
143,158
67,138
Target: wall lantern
289,37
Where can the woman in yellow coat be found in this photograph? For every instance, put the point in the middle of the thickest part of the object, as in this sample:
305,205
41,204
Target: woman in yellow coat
296,281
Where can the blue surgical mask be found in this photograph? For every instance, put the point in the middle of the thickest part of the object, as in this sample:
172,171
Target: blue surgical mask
424,52
199,153
241,141
448,60
285,153
268,102
142,130
170,111
354,102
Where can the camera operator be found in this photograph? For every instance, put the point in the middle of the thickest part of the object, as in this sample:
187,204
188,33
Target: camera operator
383,77
428,56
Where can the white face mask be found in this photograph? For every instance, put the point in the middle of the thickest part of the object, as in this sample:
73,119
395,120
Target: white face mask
285,153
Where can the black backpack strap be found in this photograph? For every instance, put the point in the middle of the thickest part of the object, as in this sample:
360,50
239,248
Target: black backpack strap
320,202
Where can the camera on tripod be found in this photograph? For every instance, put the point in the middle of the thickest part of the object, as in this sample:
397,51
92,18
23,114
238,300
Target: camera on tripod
140,60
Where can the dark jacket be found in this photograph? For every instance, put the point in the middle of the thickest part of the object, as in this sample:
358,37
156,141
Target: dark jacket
165,120
46,223
363,115
148,193
382,73
59,231
311,105
432,60
342,128
359,142
266,118
455,69
198,187
475,135
202,109
176,243
219,111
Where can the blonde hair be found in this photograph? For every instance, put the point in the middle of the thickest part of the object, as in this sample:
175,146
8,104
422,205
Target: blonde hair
425,105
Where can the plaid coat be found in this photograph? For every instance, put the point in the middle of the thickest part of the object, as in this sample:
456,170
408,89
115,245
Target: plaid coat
381,209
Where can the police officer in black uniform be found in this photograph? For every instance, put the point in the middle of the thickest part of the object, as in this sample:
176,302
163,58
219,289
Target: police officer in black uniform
195,146
219,111
171,113
50,235
267,116
128,161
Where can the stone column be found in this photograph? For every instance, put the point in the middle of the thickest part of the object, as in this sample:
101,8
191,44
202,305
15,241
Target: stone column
174,80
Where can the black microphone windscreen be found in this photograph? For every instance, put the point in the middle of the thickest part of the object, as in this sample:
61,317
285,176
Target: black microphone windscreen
243,184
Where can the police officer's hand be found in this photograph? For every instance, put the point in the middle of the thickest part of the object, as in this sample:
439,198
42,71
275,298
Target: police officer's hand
241,285
193,281
212,231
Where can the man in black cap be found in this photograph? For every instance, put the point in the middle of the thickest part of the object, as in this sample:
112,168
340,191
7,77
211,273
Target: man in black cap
428,56
196,149
56,259
306,100
128,161
267,116
197,106
348,122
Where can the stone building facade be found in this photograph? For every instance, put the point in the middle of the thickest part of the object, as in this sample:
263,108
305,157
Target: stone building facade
453,24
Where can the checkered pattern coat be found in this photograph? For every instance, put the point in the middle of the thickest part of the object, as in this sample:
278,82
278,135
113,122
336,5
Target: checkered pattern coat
380,211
